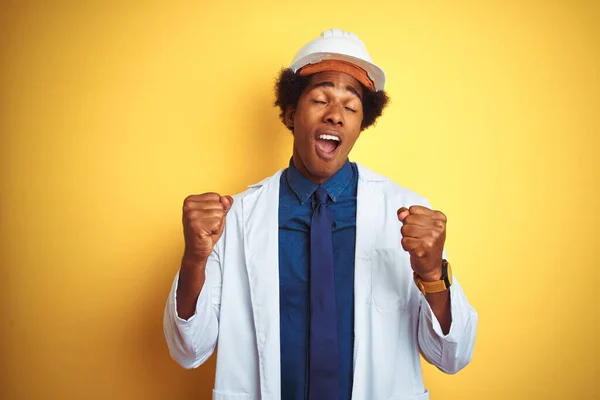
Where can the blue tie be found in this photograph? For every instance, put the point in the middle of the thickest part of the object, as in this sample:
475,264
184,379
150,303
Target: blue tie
324,371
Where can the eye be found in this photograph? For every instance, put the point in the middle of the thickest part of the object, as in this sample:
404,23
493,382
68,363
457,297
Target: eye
351,109
319,102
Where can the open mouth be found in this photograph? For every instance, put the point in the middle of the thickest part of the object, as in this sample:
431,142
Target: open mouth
327,144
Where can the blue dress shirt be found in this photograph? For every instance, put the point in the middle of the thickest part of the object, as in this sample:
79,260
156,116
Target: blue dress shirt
296,205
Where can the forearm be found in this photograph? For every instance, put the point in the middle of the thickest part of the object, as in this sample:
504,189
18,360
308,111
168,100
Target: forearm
192,276
449,350
191,341
440,305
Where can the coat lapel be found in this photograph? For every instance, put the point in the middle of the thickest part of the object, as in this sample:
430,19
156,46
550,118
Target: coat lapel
260,213
367,211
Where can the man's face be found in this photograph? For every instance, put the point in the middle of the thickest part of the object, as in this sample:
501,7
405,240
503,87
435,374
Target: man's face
326,123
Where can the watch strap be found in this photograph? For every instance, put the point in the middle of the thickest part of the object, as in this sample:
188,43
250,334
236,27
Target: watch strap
436,286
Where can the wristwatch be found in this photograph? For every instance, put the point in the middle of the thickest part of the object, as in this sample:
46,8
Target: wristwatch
436,286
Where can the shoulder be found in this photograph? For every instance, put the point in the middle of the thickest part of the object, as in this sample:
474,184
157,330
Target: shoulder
258,187
383,185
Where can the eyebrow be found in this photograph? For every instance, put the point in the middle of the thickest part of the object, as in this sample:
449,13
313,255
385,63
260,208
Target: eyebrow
330,84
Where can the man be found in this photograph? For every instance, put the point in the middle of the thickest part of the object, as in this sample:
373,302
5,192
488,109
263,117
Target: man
326,280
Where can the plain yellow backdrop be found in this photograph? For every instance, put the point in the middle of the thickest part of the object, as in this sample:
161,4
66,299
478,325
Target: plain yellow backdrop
112,112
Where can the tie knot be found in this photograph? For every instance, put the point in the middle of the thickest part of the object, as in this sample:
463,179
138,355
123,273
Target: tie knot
321,195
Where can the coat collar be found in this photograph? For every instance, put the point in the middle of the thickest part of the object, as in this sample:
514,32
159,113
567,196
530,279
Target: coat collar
364,174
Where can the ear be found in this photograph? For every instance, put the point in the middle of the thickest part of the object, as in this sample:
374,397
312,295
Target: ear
289,117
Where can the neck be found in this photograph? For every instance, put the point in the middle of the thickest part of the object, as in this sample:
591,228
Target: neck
319,180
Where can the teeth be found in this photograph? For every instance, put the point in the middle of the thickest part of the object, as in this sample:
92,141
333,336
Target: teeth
329,137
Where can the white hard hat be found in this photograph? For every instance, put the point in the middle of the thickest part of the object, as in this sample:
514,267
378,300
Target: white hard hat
335,44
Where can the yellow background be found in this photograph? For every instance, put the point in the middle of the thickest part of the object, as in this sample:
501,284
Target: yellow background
112,112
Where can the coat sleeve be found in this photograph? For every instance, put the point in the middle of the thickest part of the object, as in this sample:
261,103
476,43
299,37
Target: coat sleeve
451,352
191,342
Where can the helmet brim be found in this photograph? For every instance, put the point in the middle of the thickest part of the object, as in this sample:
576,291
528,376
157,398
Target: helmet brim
375,73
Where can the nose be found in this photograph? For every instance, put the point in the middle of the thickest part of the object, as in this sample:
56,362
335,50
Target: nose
334,116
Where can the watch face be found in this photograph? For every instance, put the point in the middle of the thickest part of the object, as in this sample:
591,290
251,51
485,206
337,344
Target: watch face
445,277
444,269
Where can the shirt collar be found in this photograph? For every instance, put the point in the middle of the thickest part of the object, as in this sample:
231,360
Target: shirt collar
304,187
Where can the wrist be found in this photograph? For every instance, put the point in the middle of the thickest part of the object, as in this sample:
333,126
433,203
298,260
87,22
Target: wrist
432,272
432,276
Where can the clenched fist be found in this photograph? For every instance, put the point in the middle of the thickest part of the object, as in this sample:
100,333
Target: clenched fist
203,223
423,236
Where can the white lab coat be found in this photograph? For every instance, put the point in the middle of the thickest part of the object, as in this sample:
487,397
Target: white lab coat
238,307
